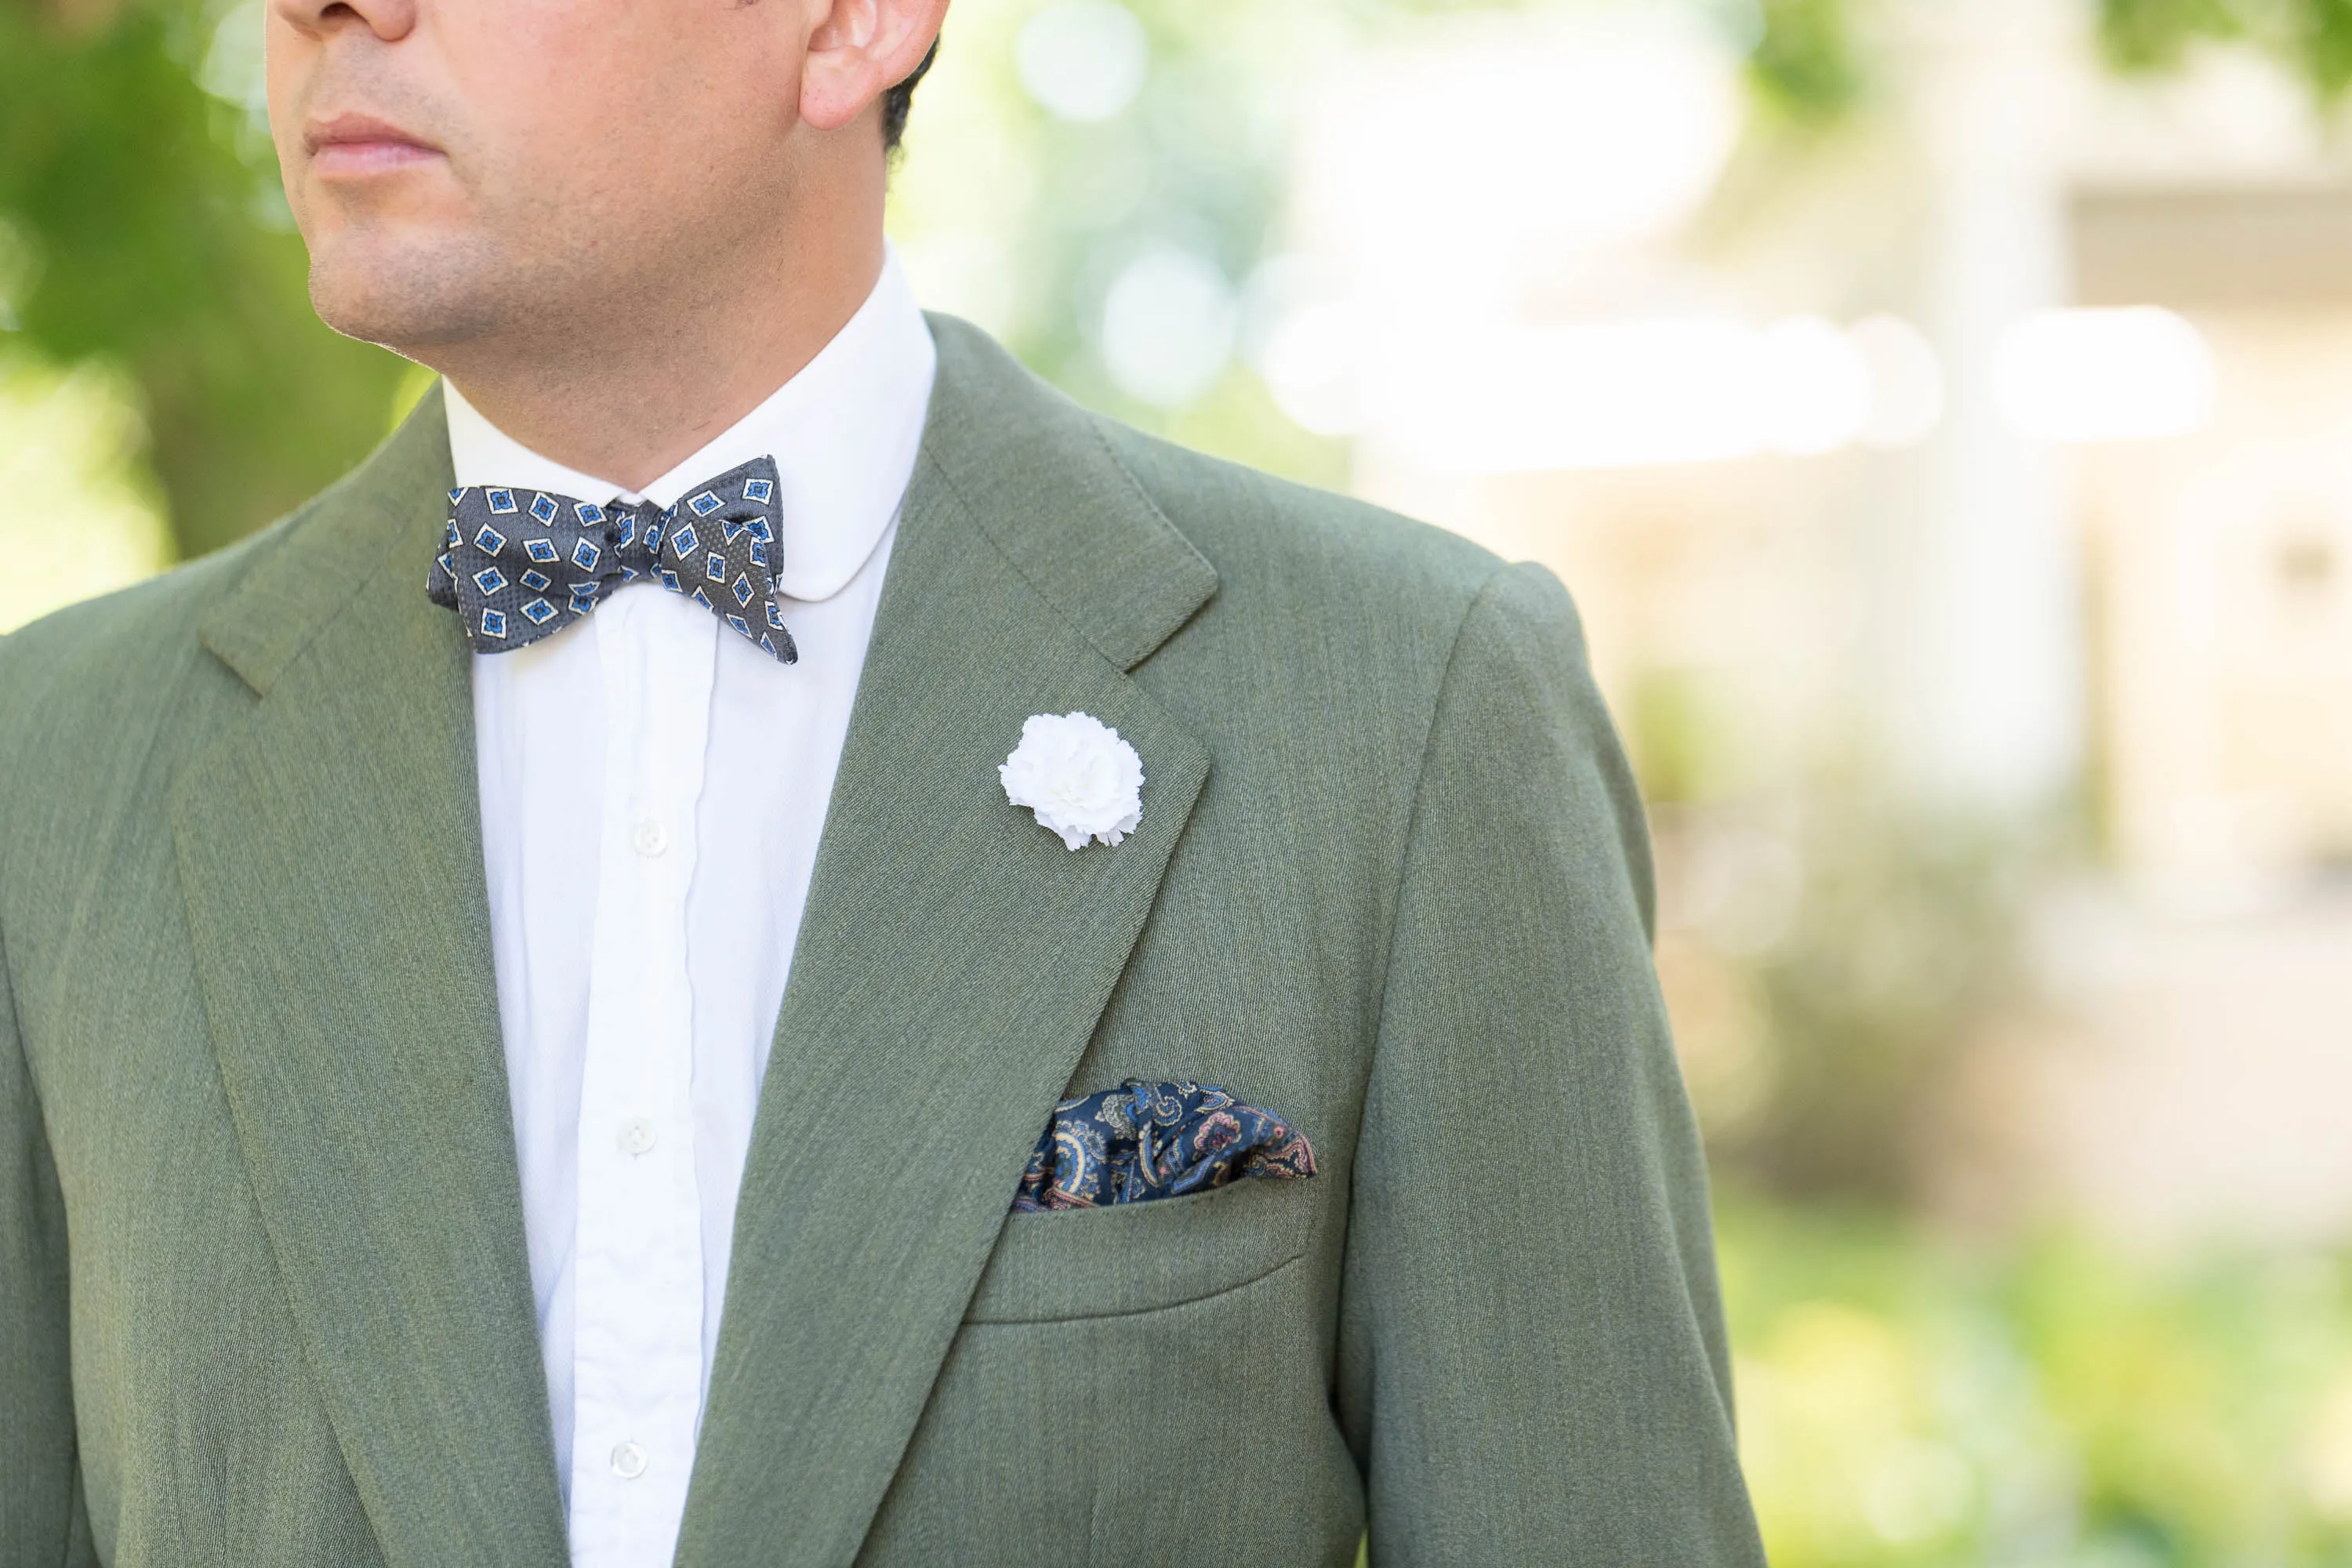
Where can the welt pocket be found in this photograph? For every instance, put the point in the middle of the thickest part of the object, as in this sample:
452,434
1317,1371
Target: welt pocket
1138,1257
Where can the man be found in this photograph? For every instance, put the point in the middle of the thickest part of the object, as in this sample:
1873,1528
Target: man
760,942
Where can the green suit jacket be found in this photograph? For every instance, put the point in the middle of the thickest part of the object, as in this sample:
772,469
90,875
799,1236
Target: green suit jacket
263,1292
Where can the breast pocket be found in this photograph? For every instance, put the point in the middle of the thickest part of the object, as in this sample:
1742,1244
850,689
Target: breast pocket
1138,1257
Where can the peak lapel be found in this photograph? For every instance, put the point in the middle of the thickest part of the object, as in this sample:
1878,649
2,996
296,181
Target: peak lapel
953,961
331,855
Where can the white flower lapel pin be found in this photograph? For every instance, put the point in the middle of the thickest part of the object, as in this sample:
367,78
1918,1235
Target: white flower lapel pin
1083,782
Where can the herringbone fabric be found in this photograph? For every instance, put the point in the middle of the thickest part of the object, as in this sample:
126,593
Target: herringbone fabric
264,1295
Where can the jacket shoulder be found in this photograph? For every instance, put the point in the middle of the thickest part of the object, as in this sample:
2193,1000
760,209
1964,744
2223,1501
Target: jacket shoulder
132,639
90,690
1311,552
125,635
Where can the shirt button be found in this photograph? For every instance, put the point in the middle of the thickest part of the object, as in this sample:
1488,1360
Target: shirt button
637,1136
629,1461
648,839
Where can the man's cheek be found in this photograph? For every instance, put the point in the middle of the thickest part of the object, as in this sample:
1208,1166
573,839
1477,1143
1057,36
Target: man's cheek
577,55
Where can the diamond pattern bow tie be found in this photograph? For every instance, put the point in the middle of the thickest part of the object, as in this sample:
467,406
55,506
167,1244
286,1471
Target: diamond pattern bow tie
517,565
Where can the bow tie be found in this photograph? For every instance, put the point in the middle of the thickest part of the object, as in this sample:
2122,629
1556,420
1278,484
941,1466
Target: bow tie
517,565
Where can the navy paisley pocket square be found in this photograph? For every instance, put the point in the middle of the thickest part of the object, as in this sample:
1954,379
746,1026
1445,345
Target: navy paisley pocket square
1145,1141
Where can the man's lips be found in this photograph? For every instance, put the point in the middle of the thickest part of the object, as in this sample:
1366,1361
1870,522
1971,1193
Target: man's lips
356,145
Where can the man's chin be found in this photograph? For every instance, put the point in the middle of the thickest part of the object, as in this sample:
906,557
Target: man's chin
401,297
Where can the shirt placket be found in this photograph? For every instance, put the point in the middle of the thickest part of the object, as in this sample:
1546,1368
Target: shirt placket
637,1338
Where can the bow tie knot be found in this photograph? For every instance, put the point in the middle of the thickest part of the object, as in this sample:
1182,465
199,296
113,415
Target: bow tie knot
517,565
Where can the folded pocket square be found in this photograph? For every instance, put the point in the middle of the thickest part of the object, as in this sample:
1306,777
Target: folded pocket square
1145,1141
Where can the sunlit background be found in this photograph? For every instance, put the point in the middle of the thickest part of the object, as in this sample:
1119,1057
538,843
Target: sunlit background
1942,411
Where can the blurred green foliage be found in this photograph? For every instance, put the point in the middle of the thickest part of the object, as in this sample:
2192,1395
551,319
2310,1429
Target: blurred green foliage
1806,62
1196,164
2053,1401
1900,950
141,225
1833,954
2313,37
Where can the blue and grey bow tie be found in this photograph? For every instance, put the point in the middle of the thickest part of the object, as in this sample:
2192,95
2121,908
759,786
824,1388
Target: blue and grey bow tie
517,565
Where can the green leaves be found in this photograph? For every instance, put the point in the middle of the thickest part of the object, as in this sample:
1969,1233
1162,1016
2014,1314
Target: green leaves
2153,35
2313,38
1805,63
140,237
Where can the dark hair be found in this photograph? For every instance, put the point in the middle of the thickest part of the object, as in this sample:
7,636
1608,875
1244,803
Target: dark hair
899,99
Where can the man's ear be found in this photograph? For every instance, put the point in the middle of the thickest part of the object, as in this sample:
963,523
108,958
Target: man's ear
859,50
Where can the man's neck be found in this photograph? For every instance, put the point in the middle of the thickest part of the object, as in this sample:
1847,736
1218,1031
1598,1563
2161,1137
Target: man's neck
628,406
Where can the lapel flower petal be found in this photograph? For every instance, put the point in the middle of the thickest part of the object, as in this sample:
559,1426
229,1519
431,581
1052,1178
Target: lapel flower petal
1083,782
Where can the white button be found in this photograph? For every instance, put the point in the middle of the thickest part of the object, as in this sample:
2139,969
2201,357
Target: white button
648,839
637,1136
629,1461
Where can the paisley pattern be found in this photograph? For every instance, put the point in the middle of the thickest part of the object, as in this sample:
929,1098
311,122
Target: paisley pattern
1145,1141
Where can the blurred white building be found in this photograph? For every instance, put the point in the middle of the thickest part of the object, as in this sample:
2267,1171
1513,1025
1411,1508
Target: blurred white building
1999,446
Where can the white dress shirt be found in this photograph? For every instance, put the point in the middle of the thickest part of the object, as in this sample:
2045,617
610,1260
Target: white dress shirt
653,787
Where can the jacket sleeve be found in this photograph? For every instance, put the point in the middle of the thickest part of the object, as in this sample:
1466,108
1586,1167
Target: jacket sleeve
42,1516
1532,1363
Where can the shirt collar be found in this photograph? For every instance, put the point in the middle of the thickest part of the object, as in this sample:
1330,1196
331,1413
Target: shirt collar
844,432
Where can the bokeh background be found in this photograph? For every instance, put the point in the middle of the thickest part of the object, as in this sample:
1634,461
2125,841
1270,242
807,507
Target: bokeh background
1942,410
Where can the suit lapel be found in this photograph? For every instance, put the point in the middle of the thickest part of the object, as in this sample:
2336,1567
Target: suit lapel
331,855
954,958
